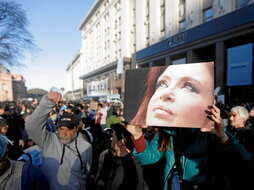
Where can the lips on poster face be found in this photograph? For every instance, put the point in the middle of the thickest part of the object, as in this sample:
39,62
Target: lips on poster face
173,96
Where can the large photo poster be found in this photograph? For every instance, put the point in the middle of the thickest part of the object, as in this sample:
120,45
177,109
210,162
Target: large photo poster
170,96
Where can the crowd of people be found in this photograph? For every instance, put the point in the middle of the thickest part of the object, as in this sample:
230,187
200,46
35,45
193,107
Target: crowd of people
55,144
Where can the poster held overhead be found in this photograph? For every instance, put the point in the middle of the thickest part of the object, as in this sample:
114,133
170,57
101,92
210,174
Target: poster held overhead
170,96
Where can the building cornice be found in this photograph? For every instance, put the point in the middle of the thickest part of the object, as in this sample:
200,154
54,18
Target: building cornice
105,69
73,61
101,70
96,5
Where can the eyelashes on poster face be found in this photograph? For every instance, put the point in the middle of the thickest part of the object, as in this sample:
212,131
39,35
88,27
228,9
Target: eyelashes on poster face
161,84
185,85
191,87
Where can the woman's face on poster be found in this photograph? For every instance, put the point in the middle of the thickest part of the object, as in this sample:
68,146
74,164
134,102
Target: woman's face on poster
183,93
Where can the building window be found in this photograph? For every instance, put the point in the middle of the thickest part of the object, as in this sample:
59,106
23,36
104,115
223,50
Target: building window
119,21
242,3
97,14
182,26
106,18
116,53
162,18
4,86
119,36
179,61
119,53
181,14
147,24
181,11
106,3
115,24
208,15
115,39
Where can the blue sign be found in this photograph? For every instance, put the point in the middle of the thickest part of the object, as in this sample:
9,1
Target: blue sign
239,65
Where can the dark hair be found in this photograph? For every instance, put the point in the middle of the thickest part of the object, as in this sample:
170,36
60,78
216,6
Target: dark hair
121,133
114,110
53,112
164,141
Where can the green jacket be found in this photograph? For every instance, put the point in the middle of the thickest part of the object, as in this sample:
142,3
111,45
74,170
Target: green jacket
113,119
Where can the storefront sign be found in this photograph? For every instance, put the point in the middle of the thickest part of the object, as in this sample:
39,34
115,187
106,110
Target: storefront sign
97,88
177,40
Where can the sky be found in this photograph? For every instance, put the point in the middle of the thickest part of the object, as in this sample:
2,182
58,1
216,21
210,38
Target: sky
54,25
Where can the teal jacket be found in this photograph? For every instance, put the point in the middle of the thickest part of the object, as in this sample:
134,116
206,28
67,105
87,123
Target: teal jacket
198,159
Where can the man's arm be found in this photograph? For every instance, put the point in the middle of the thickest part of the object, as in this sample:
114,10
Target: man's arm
39,117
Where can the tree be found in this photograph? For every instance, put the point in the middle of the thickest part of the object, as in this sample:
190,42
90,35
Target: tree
36,93
15,39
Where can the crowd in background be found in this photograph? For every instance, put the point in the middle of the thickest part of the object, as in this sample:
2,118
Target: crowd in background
102,125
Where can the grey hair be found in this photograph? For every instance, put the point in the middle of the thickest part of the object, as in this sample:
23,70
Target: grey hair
243,112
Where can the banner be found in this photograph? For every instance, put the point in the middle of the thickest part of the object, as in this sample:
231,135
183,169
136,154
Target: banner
239,66
170,96
97,88
119,69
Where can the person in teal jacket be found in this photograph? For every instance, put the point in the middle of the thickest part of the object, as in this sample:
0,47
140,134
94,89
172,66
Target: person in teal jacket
205,157
195,159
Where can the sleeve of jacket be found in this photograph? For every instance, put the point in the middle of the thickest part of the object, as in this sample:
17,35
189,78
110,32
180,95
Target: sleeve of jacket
235,149
33,178
87,158
36,124
151,154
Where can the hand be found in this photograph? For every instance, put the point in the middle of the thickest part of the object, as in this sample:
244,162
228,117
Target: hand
122,118
135,130
54,97
218,129
21,143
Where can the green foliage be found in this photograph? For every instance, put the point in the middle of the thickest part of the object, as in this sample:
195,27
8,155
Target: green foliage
36,93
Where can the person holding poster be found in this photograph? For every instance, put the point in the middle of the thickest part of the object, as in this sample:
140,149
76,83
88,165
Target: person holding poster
181,102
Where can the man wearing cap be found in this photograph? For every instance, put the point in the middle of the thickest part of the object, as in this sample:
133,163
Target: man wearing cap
18,175
67,156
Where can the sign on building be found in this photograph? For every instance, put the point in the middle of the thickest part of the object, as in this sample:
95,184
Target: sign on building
98,88
119,69
239,67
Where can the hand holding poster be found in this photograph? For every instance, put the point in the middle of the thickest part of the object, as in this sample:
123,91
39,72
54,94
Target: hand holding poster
175,96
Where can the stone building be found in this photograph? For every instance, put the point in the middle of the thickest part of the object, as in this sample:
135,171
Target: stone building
12,86
117,35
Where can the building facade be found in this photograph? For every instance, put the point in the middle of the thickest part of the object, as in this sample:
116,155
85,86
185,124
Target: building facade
129,34
12,86
219,31
74,84
18,87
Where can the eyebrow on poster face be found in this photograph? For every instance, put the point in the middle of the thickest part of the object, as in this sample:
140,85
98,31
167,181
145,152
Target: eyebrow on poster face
185,82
